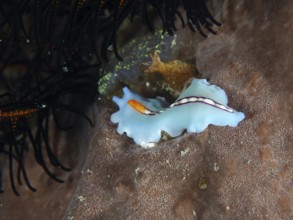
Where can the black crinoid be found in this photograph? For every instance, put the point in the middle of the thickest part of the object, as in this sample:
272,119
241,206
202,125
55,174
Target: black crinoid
50,54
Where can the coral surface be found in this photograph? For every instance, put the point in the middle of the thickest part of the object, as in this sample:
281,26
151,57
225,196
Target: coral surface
222,173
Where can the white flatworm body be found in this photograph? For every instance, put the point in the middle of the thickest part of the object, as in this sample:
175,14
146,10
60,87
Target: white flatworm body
199,105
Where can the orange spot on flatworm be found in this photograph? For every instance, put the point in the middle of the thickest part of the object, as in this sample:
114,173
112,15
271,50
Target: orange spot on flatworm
137,106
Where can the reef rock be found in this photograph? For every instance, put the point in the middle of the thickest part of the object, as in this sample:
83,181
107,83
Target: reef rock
222,173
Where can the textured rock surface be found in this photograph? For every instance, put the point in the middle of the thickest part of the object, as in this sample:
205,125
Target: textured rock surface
222,173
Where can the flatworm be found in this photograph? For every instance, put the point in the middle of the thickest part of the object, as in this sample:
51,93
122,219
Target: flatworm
199,105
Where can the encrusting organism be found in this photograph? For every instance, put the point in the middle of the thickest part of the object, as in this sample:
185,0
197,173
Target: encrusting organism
170,76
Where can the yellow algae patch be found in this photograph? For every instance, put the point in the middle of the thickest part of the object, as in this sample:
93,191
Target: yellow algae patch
174,73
